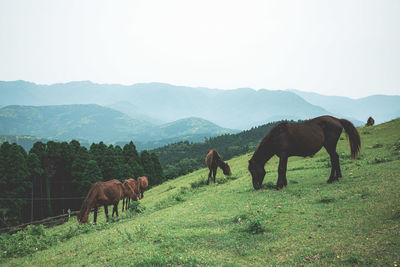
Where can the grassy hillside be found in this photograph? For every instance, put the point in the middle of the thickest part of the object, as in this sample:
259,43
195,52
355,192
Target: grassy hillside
354,221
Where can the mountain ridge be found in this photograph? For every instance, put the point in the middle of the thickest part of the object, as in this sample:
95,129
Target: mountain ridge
96,123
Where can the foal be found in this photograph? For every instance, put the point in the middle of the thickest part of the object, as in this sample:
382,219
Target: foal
213,161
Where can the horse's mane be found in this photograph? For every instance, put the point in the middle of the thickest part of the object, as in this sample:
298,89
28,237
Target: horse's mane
262,147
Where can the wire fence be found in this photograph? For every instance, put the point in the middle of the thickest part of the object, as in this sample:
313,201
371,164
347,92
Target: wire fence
47,222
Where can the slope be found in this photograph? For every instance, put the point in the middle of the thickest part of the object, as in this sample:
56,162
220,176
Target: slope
351,222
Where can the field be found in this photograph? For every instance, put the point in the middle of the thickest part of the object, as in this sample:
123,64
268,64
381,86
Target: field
355,221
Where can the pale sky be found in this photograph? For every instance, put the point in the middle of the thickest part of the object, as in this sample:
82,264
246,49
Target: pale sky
349,48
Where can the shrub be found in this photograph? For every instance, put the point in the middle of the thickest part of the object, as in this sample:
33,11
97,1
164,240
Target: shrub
326,199
396,146
255,227
179,198
377,145
378,160
198,183
269,185
136,207
221,180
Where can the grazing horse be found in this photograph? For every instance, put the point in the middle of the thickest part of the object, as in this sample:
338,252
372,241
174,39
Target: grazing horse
302,139
143,183
103,194
213,161
370,122
135,196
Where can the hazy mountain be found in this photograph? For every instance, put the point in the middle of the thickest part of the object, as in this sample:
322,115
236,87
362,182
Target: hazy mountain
237,109
26,141
96,123
381,107
189,127
66,122
133,111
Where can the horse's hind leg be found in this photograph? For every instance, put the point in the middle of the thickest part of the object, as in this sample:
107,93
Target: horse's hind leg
95,214
106,211
115,210
214,174
282,171
338,171
335,168
209,175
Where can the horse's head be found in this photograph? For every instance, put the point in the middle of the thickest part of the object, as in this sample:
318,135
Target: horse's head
257,173
226,169
82,218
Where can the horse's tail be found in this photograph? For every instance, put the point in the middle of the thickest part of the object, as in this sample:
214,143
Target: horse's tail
353,136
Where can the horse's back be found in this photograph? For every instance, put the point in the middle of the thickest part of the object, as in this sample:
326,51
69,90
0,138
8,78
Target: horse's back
211,158
132,182
143,182
298,139
112,192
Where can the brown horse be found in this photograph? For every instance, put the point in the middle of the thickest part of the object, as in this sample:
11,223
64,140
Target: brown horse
135,196
302,139
370,122
103,194
143,183
213,161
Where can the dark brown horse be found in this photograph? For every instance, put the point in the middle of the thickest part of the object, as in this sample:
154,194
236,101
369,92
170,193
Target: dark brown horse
143,183
370,122
103,194
213,161
135,196
302,139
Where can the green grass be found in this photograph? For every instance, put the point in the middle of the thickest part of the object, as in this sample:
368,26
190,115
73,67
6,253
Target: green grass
355,221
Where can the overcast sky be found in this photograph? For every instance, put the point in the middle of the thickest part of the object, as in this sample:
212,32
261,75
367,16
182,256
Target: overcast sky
349,48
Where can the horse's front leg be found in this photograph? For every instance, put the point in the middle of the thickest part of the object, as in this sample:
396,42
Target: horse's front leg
282,171
123,203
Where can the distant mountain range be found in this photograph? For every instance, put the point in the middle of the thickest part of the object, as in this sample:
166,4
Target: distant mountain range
381,107
235,109
96,123
157,113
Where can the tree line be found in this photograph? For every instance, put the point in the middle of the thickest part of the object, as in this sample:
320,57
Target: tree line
56,176
184,157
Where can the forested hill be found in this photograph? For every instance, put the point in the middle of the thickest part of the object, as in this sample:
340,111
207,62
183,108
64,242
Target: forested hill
95,123
54,177
184,157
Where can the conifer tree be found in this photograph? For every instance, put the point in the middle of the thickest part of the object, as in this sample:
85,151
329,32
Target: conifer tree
158,171
15,181
35,174
148,165
92,175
